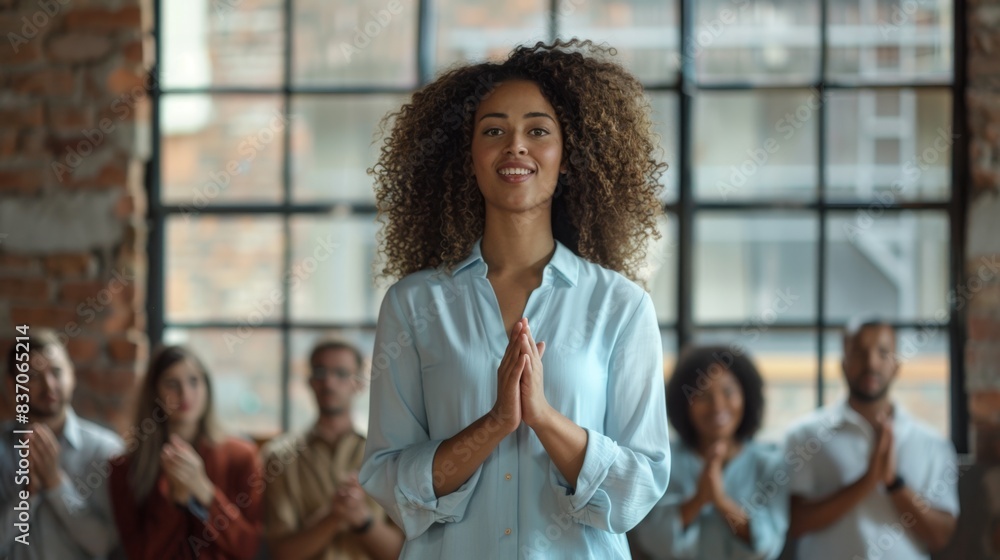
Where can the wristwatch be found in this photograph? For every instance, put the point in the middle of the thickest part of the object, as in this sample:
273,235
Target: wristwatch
896,484
364,527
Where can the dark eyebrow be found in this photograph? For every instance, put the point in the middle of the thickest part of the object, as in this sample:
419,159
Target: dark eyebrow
526,115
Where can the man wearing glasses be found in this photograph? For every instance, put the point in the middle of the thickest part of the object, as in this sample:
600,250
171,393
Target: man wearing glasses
314,506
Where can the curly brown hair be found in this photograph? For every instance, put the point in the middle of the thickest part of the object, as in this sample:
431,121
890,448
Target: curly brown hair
604,208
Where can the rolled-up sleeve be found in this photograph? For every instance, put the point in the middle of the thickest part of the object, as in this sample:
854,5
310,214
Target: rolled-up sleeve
662,532
625,469
769,519
399,456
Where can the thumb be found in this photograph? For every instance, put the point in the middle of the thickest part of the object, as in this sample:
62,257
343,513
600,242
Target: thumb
541,349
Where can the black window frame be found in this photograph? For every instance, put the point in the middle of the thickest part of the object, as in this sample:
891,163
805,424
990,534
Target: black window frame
683,209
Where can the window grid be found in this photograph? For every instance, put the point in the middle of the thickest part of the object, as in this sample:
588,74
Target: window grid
686,207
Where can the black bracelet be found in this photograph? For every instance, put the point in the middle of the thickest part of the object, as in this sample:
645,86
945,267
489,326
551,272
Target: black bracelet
364,527
896,484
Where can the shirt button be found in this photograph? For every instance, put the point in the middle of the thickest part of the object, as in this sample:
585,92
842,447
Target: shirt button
507,476
507,532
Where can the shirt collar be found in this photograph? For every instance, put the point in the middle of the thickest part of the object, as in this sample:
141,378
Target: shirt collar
843,413
563,261
71,429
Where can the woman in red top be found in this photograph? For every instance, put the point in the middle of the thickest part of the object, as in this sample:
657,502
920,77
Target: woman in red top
183,490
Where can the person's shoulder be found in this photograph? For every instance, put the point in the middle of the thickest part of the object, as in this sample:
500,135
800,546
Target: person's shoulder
813,422
236,448
926,437
612,286
283,444
420,285
98,436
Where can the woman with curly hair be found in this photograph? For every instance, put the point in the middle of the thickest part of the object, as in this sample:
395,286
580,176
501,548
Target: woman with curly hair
517,200
728,494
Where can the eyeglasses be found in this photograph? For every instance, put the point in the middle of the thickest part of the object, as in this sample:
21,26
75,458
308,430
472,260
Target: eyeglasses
322,373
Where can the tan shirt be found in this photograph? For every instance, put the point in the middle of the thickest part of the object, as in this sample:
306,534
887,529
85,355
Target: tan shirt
302,474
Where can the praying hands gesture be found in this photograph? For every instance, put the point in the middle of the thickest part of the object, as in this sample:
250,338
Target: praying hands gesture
185,472
520,388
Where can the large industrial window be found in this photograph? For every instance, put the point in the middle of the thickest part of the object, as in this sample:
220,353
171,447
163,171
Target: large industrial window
811,179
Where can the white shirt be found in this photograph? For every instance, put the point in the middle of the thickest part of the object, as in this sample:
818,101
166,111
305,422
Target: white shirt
73,520
830,450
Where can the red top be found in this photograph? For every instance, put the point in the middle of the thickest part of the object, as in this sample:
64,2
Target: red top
159,528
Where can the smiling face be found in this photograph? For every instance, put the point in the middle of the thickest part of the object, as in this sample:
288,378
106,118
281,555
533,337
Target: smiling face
717,410
516,147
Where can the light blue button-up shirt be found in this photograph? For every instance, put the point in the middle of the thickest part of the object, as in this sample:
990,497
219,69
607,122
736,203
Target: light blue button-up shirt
439,342
756,479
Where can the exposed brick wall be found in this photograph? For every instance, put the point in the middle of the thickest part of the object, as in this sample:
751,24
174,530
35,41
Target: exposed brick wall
74,121
982,349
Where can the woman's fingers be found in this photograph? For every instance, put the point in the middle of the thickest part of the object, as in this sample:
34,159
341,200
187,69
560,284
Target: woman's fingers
511,353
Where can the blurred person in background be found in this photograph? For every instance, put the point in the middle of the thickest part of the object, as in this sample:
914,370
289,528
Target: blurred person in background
727,498
185,490
870,480
517,379
314,507
70,517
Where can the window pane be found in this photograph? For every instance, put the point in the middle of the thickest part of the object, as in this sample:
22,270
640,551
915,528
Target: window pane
303,403
664,106
221,148
222,43
479,29
669,339
245,365
331,269
223,268
757,267
645,33
922,386
787,362
332,145
893,265
759,41
892,144
355,42
755,145
890,40
661,267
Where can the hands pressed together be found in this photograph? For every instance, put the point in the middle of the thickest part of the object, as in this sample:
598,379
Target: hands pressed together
520,388
348,505
46,473
711,489
882,463
185,472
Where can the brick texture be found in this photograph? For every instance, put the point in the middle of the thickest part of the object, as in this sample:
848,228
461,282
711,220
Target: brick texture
60,76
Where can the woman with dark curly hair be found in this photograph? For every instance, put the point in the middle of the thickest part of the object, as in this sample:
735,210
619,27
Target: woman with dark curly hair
727,498
517,200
